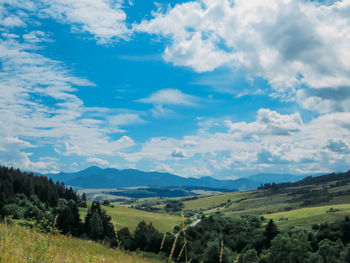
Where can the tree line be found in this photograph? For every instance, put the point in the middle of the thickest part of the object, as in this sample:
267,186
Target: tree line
47,206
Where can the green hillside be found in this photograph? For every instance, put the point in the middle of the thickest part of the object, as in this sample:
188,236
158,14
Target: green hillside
128,217
19,244
291,204
307,217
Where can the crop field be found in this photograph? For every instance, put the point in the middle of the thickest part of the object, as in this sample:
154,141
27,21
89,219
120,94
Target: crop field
19,244
130,218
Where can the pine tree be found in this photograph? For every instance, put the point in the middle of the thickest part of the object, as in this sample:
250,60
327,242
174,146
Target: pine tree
95,226
270,232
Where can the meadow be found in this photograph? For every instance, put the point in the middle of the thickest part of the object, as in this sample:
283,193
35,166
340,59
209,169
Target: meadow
304,218
124,216
290,207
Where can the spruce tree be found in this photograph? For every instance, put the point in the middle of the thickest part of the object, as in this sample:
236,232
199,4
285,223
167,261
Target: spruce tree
270,232
96,227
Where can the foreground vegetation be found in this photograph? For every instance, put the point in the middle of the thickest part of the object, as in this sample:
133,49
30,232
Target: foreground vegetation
19,244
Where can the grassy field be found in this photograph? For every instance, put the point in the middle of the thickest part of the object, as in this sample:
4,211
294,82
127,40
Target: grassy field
215,200
306,217
18,244
129,217
279,205
251,202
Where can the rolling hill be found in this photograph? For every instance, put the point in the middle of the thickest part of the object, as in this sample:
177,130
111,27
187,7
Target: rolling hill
299,204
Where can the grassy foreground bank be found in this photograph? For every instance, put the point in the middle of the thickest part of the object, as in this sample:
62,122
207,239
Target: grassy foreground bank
19,244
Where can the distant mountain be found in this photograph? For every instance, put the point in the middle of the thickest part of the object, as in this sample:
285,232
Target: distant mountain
95,177
275,178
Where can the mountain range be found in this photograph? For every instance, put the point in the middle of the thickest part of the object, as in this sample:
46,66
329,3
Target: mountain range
96,177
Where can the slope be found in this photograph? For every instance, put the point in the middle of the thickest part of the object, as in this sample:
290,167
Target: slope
19,244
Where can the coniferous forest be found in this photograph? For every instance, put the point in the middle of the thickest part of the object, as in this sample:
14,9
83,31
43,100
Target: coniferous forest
44,205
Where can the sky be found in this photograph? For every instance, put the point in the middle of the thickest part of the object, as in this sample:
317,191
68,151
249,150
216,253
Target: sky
216,88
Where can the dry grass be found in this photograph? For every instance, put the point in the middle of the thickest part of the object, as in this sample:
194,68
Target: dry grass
18,244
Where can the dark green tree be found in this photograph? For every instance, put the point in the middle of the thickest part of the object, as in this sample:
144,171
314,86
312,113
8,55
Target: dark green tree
212,253
330,251
249,256
96,230
103,223
147,238
270,232
68,219
289,249
125,239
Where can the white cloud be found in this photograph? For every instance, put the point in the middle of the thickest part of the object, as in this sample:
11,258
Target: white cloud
196,171
105,20
159,111
338,146
102,18
125,119
273,142
36,37
27,80
179,154
288,42
170,97
97,161
268,122
162,167
12,155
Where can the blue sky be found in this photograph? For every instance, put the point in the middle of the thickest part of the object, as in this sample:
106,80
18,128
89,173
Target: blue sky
221,88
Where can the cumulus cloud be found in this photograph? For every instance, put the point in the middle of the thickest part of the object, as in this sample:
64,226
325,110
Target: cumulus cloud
338,146
170,97
289,43
179,153
273,142
162,100
268,122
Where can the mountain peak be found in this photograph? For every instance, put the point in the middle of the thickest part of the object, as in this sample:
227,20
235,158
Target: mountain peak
92,169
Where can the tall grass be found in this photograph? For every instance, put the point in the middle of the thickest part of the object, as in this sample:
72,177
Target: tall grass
173,249
19,244
162,244
184,232
221,251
